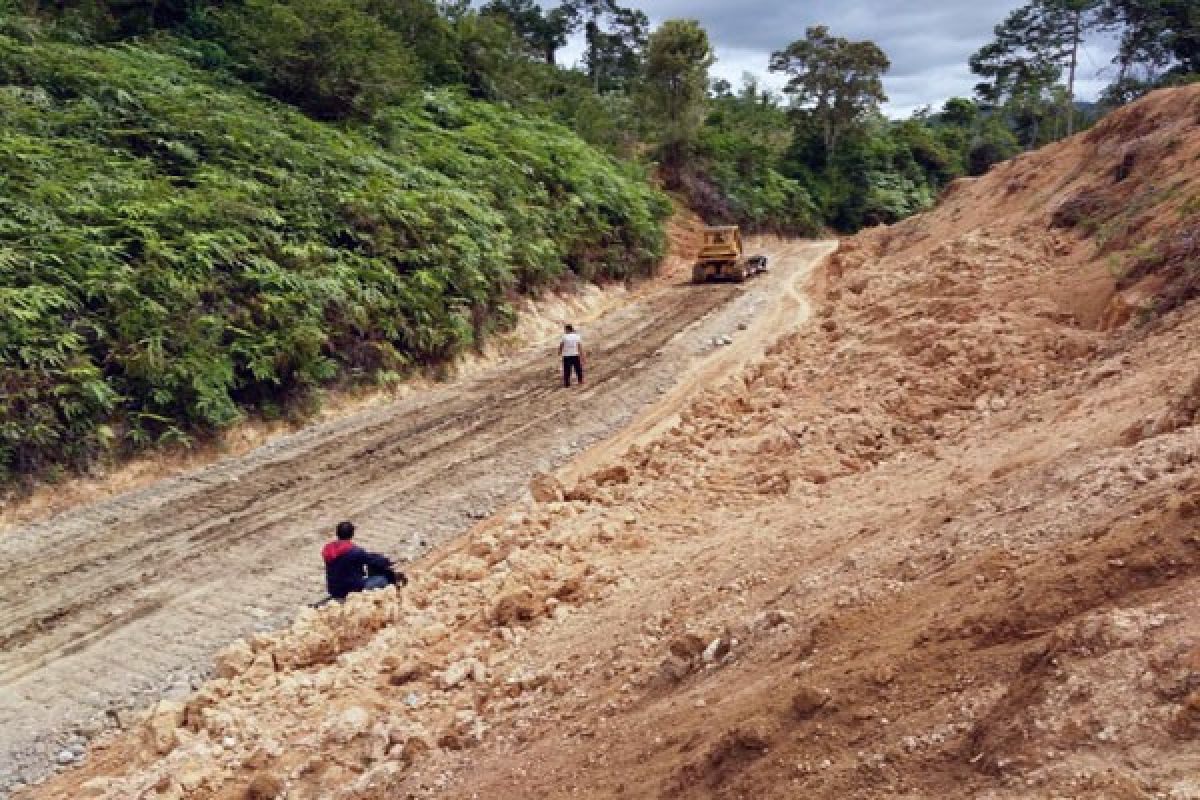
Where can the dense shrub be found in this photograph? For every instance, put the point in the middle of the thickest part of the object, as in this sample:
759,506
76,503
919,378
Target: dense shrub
333,59
735,177
175,250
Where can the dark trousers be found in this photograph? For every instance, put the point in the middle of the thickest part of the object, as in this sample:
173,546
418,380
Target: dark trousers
572,363
376,582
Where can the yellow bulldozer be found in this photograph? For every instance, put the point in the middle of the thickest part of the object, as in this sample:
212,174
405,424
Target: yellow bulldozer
721,256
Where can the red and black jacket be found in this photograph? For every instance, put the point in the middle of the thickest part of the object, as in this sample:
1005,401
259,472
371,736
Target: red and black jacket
347,565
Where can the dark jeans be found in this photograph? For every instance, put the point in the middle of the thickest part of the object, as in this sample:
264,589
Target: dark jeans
572,363
372,582
376,582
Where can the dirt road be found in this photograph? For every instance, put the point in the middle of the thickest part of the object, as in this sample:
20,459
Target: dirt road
123,602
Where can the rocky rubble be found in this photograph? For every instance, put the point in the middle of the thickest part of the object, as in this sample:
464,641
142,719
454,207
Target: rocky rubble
942,541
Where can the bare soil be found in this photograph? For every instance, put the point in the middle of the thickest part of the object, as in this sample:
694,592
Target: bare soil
120,603
938,538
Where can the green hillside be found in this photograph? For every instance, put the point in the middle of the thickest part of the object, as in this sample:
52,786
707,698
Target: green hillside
176,249
210,208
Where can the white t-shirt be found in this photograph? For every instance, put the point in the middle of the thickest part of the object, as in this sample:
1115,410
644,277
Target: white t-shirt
570,344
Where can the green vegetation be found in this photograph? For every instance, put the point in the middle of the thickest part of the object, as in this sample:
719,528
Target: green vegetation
674,85
212,208
771,166
175,249
1029,68
735,174
1026,60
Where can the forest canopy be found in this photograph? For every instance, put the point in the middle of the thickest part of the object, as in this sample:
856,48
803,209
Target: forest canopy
210,209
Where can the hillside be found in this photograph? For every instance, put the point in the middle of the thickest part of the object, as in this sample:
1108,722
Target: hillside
178,251
942,540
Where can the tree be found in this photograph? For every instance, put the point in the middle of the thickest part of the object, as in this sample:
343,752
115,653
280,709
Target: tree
838,80
116,19
615,55
332,58
992,144
720,88
678,56
960,111
428,35
734,173
490,56
543,32
1156,35
615,37
1034,45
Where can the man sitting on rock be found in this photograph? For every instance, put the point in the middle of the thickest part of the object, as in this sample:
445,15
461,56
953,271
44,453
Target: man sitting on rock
349,568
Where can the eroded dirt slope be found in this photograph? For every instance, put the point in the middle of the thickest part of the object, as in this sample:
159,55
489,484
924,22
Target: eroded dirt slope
941,541
117,604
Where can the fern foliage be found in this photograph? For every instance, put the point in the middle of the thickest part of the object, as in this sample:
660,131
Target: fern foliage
177,250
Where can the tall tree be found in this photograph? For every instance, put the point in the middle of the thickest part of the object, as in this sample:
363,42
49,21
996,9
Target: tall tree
615,55
675,81
1034,45
615,37
491,56
1157,35
543,32
837,79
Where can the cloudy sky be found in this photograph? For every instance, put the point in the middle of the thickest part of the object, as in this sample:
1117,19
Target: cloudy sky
928,41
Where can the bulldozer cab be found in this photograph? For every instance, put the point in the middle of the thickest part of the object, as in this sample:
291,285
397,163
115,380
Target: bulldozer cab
721,243
720,256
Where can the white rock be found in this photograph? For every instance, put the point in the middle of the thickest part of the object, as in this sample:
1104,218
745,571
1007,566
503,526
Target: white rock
459,671
95,787
351,723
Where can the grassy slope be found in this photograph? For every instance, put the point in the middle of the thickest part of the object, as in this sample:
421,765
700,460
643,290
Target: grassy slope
175,249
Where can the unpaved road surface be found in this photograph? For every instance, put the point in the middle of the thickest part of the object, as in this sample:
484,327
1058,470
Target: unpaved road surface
929,532
120,603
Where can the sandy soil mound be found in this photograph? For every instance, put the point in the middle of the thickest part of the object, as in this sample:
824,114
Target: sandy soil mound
944,541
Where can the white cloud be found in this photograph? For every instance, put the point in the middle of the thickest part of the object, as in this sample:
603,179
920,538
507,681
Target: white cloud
928,41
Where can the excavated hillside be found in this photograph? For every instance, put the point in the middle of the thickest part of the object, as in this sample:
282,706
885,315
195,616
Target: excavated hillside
943,540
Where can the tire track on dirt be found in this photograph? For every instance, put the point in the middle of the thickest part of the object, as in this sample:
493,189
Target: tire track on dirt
144,588
219,512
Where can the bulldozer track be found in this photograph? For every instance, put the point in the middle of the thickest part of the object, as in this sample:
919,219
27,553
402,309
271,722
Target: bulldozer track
113,603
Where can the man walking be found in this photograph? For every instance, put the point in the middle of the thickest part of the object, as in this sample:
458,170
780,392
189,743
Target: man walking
571,350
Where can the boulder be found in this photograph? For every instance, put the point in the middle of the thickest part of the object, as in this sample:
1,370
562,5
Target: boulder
584,492
95,787
351,723
233,660
546,488
458,672
687,646
401,670
462,568
611,476
261,668
674,669
161,730
717,649
407,741
194,774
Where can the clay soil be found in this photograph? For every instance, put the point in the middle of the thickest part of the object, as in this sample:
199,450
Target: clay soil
122,602
940,538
